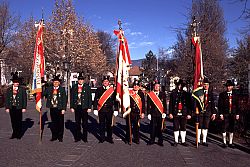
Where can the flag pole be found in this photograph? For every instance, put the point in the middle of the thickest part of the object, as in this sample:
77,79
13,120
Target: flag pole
122,92
194,27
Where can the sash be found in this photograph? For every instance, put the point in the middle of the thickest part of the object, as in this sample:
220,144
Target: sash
137,99
156,100
105,97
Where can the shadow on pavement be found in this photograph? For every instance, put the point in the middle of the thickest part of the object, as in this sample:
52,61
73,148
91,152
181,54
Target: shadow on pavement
93,127
71,126
28,123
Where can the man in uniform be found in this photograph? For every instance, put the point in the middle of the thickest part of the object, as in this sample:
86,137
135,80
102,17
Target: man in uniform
156,109
137,105
15,104
228,112
57,102
80,103
104,105
179,111
206,112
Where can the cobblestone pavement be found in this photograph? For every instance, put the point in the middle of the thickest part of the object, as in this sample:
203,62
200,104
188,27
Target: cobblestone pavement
30,152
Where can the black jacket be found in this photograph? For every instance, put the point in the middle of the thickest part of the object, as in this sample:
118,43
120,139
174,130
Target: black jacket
86,98
151,107
134,106
110,105
184,98
223,103
21,98
62,98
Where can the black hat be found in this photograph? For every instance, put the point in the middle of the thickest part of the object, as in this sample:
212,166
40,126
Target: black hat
80,76
105,77
229,83
15,77
179,82
136,83
205,80
56,78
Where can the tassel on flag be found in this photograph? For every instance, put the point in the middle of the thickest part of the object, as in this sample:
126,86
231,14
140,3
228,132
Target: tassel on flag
38,67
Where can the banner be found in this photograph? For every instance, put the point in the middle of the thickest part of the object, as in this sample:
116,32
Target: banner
38,67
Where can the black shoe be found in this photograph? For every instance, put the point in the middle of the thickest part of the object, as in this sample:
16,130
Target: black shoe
205,144
85,140
53,139
101,141
110,141
184,144
150,143
137,142
60,140
224,145
175,144
77,140
160,144
12,137
231,146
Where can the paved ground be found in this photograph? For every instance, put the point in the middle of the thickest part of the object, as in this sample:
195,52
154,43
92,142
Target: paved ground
30,152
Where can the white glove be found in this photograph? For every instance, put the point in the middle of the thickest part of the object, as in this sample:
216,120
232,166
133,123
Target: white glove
96,112
149,117
63,111
163,115
115,113
7,110
89,110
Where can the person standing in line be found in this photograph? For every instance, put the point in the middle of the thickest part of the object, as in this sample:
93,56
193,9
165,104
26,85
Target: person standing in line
15,105
80,104
57,102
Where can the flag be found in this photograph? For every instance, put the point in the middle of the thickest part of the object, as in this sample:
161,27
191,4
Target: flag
38,67
198,72
198,92
123,63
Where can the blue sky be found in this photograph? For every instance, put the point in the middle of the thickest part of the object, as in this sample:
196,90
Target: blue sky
148,24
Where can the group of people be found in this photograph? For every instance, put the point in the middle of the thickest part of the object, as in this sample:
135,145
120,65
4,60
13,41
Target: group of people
105,106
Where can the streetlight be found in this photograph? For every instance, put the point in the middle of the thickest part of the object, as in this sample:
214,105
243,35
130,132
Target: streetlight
67,63
66,66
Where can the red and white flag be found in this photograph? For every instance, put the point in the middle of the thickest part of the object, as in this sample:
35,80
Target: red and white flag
198,71
38,67
123,63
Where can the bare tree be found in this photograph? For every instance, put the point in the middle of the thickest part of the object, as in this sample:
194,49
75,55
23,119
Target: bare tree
8,26
213,42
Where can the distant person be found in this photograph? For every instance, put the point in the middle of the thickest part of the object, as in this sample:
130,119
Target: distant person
207,112
137,105
228,112
15,104
156,110
57,102
179,111
105,106
80,104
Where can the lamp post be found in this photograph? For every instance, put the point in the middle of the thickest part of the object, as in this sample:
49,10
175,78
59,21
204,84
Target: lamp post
66,66
67,63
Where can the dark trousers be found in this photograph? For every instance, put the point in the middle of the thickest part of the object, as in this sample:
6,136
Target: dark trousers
57,123
81,117
156,124
204,121
180,123
16,117
134,120
105,119
228,123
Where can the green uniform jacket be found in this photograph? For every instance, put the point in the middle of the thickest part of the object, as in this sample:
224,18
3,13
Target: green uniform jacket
86,98
21,98
62,98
